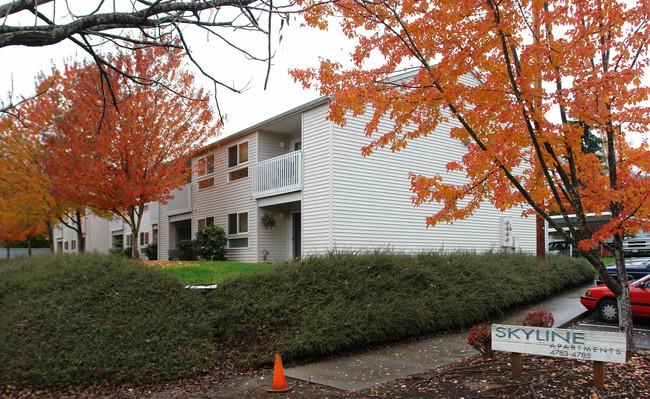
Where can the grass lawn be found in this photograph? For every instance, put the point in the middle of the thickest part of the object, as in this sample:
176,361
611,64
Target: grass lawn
205,272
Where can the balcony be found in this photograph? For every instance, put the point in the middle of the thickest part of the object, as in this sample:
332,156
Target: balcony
182,201
279,175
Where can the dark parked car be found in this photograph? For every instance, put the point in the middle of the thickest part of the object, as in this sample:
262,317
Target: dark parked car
636,268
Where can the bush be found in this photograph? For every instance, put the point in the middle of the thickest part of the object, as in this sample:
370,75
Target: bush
539,319
185,250
329,304
480,338
87,319
128,252
151,251
210,243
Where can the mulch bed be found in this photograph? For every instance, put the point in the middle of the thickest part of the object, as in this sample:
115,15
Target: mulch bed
474,377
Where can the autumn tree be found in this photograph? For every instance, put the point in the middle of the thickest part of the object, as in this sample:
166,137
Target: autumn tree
91,25
23,201
120,157
515,76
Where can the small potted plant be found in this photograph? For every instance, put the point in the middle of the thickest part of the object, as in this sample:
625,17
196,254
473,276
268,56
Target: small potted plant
268,221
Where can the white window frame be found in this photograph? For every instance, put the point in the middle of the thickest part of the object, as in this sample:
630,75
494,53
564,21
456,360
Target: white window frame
205,169
238,234
238,165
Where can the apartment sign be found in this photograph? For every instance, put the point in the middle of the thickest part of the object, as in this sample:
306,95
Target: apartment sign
572,344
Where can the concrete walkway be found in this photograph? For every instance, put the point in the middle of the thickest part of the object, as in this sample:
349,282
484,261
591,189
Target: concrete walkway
369,369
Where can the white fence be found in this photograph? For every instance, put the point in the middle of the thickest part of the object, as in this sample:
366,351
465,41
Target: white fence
22,252
278,175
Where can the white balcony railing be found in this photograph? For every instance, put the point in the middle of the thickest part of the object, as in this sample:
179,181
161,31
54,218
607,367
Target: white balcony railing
182,201
278,175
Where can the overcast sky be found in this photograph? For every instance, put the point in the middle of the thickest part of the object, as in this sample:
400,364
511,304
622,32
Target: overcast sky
299,47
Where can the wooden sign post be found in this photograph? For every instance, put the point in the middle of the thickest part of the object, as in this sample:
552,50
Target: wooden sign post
597,346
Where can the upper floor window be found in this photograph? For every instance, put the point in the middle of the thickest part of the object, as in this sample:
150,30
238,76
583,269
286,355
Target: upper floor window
237,154
205,165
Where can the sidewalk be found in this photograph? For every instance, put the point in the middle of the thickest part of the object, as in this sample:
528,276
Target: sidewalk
369,369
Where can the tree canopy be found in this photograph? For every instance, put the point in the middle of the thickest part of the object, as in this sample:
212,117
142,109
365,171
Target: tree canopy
514,76
118,157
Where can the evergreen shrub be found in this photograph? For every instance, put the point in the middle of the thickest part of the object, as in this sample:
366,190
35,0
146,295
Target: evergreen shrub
185,250
210,243
151,251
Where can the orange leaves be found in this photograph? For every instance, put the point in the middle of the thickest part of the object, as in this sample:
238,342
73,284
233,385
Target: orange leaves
519,102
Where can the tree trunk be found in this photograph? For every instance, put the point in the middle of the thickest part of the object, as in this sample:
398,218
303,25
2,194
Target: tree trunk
50,233
8,250
81,242
623,300
29,246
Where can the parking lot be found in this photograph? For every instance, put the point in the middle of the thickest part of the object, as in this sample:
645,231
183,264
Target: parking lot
641,328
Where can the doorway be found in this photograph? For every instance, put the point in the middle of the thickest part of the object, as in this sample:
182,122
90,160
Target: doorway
296,234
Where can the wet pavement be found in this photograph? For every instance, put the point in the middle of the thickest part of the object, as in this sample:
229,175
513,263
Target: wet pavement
369,369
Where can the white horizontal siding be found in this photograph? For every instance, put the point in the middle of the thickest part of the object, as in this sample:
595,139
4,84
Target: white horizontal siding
372,205
316,192
229,197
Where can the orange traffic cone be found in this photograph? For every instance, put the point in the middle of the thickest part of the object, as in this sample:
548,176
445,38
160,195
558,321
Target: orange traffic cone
279,382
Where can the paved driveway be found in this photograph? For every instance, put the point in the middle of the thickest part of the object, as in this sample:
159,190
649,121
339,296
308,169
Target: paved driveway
641,328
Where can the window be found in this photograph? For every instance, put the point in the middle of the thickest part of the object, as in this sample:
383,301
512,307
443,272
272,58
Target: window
205,183
206,222
237,154
238,243
297,146
205,165
73,245
65,246
129,240
238,174
144,238
238,224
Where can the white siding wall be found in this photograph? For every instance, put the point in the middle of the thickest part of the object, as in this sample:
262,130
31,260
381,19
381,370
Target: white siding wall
277,241
269,145
98,238
316,193
372,205
163,233
228,197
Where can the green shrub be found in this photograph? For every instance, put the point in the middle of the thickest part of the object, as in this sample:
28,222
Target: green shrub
90,319
98,319
151,251
128,252
210,243
338,302
185,250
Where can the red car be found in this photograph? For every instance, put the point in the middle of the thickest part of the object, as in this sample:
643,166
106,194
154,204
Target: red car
600,298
